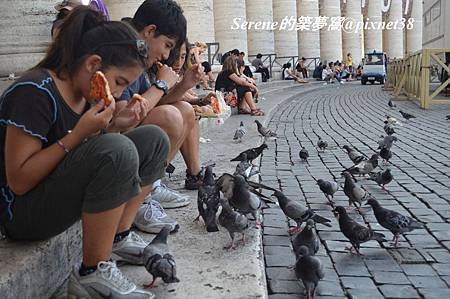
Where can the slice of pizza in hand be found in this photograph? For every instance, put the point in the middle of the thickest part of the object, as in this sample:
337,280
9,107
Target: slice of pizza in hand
100,89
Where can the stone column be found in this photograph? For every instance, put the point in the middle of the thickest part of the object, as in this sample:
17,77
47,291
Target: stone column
414,36
394,45
200,19
119,9
260,40
285,40
308,40
25,33
373,38
352,38
228,16
330,40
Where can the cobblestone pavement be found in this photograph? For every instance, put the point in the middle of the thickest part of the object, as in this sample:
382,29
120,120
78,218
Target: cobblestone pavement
354,114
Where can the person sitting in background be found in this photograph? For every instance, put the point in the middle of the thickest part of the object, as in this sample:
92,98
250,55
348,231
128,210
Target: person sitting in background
317,74
63,8
301,68
247,71
328,73
288,74
99,6
196,53
260,68
229,80
233,53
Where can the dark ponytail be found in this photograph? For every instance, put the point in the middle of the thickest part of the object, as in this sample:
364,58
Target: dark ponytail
86,32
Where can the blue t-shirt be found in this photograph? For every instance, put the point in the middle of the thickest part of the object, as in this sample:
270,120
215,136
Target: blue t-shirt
141,85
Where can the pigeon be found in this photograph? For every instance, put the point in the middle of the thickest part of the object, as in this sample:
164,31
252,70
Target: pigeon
382,178
307,237
158,261
391,104
245,168
328,188
208,200
406,116
393,221
298,212
364,167
387,142
309,269
392,120
265,132
354,193
252,153
239,133
388,128
448,117
225,184
304,155
353,155
232,221
386,154
355,232
322,145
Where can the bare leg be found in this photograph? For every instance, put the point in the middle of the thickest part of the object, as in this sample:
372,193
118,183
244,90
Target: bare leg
190,149
248,98
131,208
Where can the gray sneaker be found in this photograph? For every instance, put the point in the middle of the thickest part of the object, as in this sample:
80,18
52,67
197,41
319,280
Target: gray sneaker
129,250
106,282
168,198
151,218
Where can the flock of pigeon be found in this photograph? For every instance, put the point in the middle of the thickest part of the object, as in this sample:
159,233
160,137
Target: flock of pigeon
239,196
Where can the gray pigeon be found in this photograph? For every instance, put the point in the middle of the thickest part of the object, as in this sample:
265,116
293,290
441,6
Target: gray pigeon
382,178
251,154
245,168
309,269
387,142
388,128
406,116
158,260
265,132
364,167
355,232
322,145
239,133
354,155
354,193
393,221
392,120
298,212
234,222
307,237
391,104
208,200
386,154
448,117
328,188
304,155
225,183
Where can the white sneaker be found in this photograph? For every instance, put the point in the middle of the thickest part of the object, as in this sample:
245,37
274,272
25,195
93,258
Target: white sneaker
169,198
106,282
151,218
129,250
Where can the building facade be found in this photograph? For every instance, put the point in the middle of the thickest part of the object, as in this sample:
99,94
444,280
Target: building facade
285,27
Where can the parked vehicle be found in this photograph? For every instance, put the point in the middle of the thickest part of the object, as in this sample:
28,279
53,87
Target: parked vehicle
374,68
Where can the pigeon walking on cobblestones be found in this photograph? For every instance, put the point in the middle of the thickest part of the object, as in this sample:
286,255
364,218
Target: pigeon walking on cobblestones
251,154
309,269
387,142
353,155
307,237
208,201
158,260
321,144
298,212
364,167
382,178
393,221
354,193
233,222
245,168
304,155
355,232
406,116
392,120
265,132
328,188
389,129
239,133
386,154
391,104
448,117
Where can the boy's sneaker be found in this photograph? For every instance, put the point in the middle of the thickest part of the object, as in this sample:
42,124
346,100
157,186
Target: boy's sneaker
106,282
129,250
151,218
168,198
192,182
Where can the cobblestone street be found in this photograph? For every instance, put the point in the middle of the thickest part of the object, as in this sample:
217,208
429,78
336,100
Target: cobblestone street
353,114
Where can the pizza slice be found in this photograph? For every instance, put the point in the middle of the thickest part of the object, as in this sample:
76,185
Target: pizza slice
100,89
